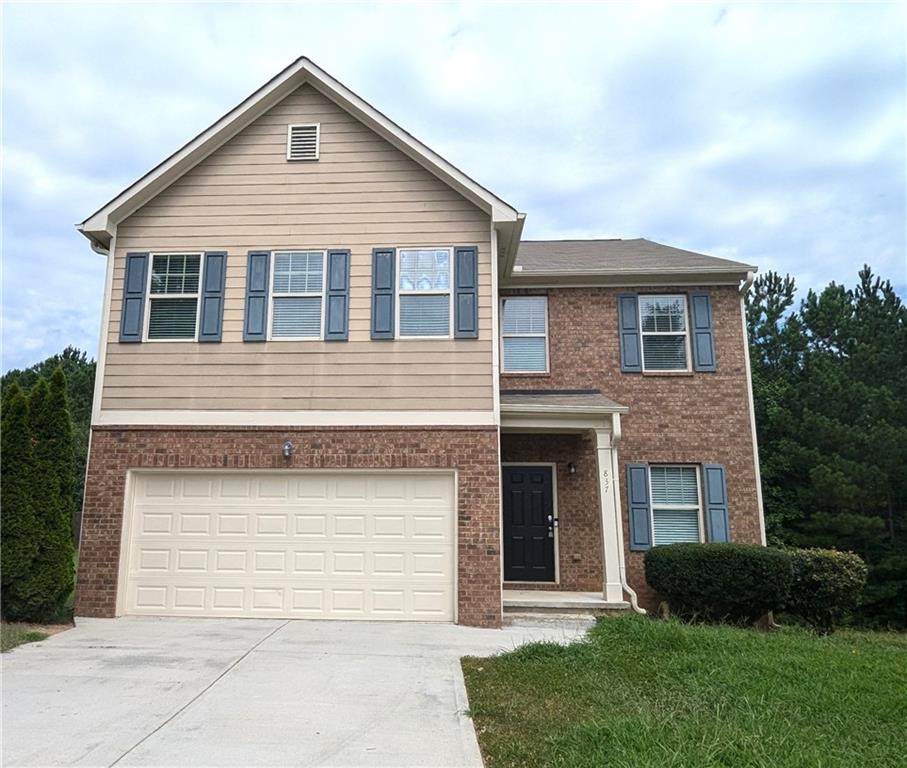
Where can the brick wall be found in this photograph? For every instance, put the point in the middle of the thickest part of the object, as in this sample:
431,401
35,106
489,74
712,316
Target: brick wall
473,452
674,418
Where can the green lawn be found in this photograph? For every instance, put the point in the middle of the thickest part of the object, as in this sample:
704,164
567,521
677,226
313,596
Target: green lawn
639,692
12,635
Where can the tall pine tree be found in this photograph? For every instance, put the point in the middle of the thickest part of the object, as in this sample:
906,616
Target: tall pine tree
830,388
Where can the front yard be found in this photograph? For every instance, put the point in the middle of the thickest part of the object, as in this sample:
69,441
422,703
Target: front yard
639,692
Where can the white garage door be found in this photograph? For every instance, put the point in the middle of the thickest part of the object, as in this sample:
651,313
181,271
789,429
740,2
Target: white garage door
340,545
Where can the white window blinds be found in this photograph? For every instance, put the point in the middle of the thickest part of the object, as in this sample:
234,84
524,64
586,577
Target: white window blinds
423,284
524,331
173,296
663,325
297,295
675,504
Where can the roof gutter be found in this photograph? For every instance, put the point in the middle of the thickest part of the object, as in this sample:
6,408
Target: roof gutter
518,279
96,245
573,410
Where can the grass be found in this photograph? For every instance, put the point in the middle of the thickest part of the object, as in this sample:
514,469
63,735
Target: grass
12,635
639,692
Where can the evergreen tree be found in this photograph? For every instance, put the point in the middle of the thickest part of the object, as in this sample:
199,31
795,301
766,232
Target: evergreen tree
20,531
80,372
51,431
830,389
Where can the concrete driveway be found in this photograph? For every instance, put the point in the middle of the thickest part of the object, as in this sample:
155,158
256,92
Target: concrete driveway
247,692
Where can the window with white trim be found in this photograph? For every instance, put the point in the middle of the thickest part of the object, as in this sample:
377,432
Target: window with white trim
173,296
423,287
297,294
676,505
663,326
524,334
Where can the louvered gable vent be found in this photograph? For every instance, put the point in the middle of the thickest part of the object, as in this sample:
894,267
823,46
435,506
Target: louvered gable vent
302,142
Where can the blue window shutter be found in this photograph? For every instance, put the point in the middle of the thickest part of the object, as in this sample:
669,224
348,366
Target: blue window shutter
337,296
255,325
640,507
132,313
212,296
630,345
716,517
703,339
383,293
466,306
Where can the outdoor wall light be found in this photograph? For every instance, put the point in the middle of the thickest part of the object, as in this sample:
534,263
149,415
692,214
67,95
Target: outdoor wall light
288,449
571,468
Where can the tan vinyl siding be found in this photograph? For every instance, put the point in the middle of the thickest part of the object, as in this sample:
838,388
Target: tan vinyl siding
361,193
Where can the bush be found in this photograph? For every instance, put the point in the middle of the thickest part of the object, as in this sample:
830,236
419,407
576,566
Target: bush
20,529
51,430
37,549
737,583
826,585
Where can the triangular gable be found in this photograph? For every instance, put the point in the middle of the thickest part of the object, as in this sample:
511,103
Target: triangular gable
99,226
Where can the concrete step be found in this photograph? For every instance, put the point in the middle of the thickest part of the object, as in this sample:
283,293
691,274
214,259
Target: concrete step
543,602
566,620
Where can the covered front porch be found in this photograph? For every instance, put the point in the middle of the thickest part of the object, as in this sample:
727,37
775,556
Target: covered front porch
562,528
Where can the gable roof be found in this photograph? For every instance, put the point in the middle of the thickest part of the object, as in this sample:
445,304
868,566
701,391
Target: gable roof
98,227
616,260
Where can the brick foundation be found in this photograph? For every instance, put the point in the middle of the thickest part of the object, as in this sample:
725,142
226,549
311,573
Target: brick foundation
473,452
692,418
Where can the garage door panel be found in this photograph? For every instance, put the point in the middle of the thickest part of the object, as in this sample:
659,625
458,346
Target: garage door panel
377,560
326,601
319,545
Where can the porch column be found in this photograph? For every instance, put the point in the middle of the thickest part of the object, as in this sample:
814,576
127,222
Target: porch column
612,553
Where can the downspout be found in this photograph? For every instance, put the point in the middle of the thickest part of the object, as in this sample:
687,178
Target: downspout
757,469
615,441
746,282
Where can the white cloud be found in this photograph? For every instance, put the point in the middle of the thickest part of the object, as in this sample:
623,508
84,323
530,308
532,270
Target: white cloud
770,133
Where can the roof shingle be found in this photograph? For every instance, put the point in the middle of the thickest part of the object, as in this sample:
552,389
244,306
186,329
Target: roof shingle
616,257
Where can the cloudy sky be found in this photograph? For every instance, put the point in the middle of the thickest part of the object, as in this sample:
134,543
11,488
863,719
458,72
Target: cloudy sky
770,133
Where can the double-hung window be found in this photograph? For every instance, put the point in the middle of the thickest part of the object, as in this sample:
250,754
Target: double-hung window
676,505
524,333
297,295
423,287
663,325
173,296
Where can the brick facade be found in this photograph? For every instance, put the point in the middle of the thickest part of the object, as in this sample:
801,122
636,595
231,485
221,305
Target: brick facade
692,418
473,452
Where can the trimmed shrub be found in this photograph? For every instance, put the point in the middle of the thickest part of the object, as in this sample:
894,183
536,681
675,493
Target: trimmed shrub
736,583
827,585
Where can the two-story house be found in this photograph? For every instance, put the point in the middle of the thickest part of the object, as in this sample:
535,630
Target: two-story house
333,382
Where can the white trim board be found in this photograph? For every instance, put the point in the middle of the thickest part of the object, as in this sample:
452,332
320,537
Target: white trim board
296,418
